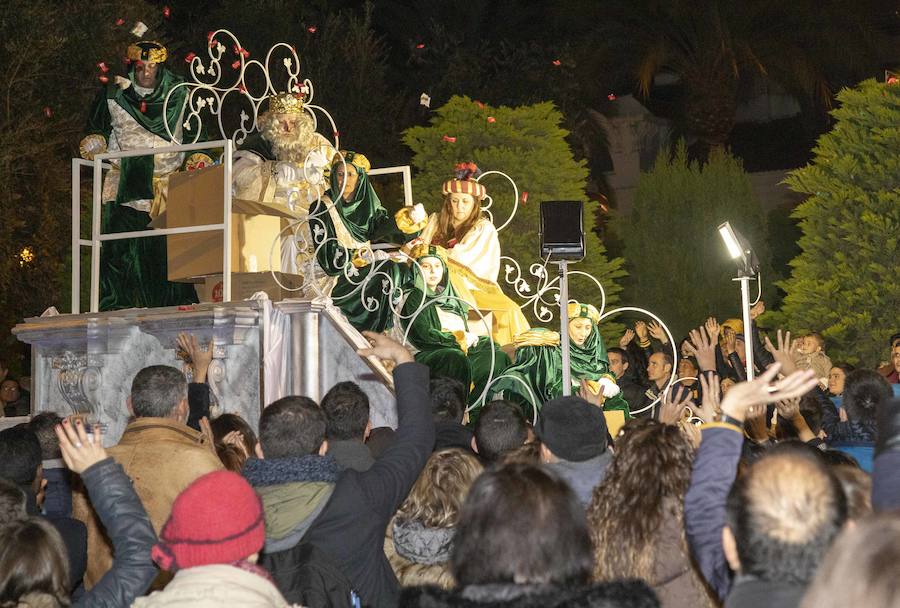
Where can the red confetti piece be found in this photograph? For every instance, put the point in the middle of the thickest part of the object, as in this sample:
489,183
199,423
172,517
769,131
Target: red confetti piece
479,104
143,107
210,38
491,119
167,12
557,62
103,79
311,29
48,112
236,64
524,197
892,80
611,97
242,88
120,21
449,139
239,50
189,57
103,67
420,46
337,134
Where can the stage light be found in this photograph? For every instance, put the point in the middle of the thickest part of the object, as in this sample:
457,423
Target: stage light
748,266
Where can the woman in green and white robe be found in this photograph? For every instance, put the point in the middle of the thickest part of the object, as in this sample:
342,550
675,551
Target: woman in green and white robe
440,331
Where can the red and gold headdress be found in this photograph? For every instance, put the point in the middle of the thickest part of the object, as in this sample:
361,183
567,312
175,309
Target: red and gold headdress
464,182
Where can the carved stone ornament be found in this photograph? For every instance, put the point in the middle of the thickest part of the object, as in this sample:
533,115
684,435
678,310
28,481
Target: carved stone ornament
78,378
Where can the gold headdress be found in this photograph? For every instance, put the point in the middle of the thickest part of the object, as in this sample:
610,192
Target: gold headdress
424,250
588,311
353,158
286,103
147,51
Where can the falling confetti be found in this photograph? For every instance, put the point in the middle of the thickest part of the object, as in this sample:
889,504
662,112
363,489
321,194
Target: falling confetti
103,79
336,134
425,100
311,29
236,64
557,62
491,119
189,57
139,29
48,112
167,12
524,196
449,139
611,97
211,39
103,67
420,46
479,104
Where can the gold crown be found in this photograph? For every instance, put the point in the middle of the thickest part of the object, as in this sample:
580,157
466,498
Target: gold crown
354,158
286,103
148,51
588,311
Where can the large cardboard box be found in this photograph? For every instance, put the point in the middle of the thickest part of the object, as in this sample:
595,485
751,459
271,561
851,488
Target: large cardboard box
245,284
195,198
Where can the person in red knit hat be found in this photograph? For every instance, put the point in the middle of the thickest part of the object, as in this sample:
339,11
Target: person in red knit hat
211,542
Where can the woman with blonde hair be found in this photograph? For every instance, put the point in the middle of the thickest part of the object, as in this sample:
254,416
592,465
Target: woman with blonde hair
420,538
637,514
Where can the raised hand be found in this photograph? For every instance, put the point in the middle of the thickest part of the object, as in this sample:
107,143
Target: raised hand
788,408
672,408
200,358
385,348
80,450
785,352
763,390
756,419
709,383
640,327
730,341
585,393
702,347
758,309
658,332
712,328
626,338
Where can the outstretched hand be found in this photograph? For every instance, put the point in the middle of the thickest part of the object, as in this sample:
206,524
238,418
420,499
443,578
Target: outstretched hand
709,384
80,450
200,358
626,338
384,347
785,352
656,330
673,406
702,347
763,390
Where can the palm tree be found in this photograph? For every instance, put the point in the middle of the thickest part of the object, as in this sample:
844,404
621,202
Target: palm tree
716,48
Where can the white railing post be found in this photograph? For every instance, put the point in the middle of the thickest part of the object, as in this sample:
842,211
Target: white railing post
226,222
95,233
76,237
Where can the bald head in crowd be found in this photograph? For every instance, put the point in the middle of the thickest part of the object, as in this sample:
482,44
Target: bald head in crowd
782,516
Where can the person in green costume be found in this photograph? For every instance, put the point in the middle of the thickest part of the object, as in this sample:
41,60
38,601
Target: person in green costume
440,331
343,234
129,114
536,375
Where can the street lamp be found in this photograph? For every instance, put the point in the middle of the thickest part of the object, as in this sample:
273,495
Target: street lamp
748,267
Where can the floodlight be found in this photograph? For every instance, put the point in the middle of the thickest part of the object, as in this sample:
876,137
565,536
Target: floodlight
739,250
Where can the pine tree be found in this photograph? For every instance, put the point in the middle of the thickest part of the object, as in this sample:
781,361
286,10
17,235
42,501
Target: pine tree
845,283
677,264
527,144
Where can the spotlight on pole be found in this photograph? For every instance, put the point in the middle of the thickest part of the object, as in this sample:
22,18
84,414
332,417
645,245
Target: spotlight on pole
748,267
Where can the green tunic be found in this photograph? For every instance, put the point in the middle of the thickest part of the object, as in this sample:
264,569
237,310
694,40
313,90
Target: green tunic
367,221
133,273
539,368
440,350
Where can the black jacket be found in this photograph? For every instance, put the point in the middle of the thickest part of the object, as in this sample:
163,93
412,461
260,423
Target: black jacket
128,527
350,529
619,594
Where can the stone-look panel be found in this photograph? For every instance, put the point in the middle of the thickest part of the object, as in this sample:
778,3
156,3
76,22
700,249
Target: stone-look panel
86,363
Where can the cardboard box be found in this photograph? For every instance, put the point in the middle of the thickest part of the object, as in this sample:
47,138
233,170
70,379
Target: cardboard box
245,284
196,198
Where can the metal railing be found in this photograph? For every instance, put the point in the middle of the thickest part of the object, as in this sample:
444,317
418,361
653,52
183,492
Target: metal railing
98,165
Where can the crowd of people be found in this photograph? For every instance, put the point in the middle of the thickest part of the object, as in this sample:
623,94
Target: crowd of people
777,491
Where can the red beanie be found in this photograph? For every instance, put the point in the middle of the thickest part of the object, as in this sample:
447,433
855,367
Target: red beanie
218,519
